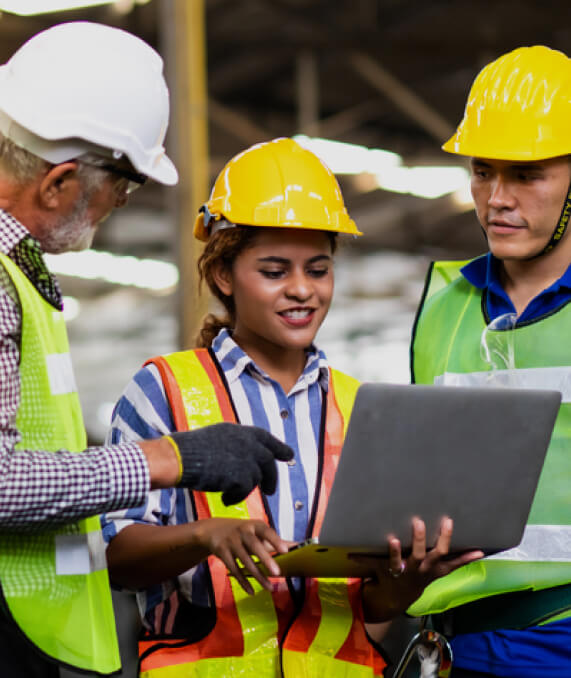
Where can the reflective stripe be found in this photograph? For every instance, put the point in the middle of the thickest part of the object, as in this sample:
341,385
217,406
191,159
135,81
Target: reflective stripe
541,543
334,627
328,634
60,373
79,553
447,349
75,625
549,378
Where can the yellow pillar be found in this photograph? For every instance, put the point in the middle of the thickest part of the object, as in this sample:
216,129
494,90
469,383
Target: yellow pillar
184,36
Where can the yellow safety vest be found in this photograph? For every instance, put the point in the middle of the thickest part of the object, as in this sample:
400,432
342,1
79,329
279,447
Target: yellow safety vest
446,350
263,635
55,582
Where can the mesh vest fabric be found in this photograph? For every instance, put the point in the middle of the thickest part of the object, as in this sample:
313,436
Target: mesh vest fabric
446,349
68,617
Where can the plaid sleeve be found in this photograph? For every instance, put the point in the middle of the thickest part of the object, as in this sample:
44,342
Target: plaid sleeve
48,488
38,488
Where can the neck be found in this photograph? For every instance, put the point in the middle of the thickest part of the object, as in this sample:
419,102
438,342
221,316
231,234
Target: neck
283,365
523,280
19,201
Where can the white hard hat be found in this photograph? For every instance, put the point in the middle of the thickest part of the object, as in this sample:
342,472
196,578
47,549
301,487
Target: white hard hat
83,87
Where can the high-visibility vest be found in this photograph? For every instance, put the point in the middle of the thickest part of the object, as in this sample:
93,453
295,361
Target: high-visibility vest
446,349
263,635
55,582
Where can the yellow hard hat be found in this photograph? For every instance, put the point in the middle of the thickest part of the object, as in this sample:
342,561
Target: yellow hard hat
276,183
519,108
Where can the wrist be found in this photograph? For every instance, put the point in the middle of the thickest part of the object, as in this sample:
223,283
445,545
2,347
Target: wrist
178,457
378,605
162,462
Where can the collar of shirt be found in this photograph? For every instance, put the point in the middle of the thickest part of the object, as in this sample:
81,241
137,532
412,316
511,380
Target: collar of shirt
484,273
17,243
235,361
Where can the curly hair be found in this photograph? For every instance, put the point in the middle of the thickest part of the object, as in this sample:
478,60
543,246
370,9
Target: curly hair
224,247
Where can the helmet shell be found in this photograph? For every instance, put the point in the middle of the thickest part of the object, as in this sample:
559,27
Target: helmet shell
518,109
277,184
82,86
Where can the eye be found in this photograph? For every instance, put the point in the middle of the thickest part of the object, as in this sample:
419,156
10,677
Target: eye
480,173
527,176
272,274
319,272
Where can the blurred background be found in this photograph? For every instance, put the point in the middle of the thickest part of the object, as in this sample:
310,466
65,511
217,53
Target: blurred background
373,86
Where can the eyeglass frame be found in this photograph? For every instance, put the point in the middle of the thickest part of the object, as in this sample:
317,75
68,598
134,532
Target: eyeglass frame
135,179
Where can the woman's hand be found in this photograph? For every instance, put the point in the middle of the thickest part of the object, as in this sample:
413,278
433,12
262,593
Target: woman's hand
393,588
230,539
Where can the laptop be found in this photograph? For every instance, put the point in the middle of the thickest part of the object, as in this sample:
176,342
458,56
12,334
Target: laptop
474,454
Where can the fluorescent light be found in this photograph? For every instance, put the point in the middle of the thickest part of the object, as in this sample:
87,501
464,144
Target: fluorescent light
29,7
343,158
71,308
463,197
386,168
96,265
424,182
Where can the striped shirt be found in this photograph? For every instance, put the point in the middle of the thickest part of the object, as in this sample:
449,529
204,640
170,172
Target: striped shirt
40,488
295,418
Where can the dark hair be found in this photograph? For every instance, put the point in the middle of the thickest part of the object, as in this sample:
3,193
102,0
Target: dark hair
224,246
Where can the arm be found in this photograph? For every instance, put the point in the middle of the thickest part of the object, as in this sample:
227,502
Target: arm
161,539
143,555
39,489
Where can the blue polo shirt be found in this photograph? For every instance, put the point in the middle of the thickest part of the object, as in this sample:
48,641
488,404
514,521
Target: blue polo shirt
484,273
538,650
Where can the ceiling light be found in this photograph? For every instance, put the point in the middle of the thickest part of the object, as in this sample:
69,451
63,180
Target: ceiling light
149,274
424,182
71,308
30,7
343,158
386,168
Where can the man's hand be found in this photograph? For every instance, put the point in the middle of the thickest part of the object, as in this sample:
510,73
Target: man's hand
230,458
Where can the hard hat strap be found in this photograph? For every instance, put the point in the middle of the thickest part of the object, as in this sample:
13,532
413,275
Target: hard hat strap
561,227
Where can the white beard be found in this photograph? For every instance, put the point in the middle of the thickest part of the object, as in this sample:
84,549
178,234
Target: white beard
72,233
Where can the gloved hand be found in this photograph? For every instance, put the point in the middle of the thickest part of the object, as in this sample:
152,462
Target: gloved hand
230,458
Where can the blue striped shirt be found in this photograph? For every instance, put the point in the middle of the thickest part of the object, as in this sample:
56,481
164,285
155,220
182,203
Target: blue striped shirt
295,417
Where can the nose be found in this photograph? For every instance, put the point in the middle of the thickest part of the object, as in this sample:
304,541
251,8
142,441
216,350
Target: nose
299,286
501,193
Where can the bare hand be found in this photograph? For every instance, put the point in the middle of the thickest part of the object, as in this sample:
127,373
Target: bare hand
393,589
230,539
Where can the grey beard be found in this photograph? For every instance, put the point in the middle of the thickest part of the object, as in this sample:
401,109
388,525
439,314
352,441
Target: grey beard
71,234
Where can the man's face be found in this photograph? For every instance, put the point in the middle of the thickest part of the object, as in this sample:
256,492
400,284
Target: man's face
75,229
519,203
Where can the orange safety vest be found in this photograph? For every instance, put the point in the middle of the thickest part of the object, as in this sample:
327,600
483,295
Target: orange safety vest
263,635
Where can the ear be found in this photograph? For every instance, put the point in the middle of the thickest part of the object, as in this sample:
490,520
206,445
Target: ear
223,278
59,185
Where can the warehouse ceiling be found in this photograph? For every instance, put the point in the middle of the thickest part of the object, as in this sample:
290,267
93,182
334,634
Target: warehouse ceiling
389,74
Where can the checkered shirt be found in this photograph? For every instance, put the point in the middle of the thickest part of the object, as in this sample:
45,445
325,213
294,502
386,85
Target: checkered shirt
40,488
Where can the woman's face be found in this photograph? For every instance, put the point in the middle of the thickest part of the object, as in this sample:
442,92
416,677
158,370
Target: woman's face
282,287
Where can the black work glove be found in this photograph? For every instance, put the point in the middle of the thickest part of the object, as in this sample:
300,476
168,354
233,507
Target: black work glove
230,458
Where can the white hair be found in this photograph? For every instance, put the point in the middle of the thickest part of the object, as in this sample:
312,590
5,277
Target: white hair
21,166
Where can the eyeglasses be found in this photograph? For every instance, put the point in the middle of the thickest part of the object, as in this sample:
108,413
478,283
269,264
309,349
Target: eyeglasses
128,180
497,343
